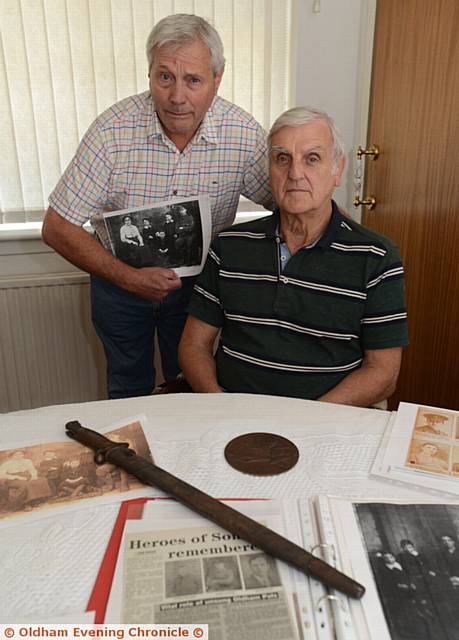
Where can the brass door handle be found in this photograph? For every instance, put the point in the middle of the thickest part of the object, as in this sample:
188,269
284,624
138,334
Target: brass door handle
373,151
369,202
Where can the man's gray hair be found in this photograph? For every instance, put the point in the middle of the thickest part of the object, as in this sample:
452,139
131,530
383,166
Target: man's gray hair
298,116
183,28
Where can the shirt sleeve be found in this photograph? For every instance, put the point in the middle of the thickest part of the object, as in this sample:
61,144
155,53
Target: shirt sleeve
256,177
83,189
205,302
384,323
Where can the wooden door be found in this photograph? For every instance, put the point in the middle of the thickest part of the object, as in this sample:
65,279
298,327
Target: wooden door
414,118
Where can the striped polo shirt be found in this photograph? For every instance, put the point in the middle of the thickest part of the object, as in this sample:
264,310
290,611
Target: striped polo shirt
299,331
126,160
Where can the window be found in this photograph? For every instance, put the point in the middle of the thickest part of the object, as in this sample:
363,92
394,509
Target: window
62,62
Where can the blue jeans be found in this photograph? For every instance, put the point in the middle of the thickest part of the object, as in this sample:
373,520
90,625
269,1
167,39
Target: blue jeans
126,325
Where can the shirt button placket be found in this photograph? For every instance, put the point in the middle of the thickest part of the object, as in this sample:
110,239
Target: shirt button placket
176,174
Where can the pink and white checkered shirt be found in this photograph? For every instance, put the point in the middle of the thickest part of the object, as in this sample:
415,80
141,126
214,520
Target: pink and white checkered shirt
125,160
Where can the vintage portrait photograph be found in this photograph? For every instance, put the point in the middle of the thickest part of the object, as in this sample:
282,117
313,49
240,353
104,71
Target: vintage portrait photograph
419,448
438,423
429,455
169,235
183,578
455,461
413,550
259,571
40,477
222,574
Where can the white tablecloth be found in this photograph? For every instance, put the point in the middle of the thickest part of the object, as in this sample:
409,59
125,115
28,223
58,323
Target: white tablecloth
49,566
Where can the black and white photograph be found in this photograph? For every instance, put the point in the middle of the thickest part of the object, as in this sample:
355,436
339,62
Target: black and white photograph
183,578
259,571
173,235
222,574
413,550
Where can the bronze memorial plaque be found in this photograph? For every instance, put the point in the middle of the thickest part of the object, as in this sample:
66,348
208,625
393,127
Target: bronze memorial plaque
261,454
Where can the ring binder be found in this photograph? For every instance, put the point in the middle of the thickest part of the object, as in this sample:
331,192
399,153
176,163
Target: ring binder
326,545
329,596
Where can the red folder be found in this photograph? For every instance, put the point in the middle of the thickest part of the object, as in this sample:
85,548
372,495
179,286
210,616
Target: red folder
129,510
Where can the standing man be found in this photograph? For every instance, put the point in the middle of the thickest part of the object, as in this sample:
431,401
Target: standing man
419,570
405,616
448,560
178,139
310,304
185,235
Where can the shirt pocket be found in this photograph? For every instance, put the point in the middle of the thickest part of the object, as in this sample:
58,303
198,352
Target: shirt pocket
224,191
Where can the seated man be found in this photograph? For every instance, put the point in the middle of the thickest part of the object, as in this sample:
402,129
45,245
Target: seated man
310,304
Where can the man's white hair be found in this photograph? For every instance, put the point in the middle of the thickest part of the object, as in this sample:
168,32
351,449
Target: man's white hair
298,116
183,28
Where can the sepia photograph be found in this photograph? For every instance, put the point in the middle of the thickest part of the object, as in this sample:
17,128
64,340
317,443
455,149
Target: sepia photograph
429,456
40,477
420,448
413,551
431,423
455,461
170,235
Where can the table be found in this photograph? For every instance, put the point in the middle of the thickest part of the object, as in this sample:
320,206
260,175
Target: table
49,566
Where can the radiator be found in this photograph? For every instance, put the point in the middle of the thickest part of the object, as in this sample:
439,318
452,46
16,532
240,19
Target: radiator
49,352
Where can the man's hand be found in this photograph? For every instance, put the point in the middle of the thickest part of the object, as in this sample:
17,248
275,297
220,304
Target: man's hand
81,249
154,283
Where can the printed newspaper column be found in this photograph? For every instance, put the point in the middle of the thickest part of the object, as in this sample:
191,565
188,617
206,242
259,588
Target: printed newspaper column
203,575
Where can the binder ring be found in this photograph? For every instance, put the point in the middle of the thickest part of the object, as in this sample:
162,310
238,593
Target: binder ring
325,545
329,596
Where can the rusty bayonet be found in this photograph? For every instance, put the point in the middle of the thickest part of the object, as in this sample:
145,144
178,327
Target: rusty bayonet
107,451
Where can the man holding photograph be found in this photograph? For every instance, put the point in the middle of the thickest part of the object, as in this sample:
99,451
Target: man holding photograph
178,139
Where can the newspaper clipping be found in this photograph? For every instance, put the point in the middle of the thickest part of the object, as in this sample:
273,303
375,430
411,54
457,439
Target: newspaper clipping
204,575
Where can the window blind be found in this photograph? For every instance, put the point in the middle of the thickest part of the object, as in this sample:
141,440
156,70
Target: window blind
62,62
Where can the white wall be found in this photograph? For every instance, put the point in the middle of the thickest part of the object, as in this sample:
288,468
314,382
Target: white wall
327,69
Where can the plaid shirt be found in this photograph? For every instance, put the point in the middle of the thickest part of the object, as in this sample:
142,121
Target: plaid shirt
125,160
